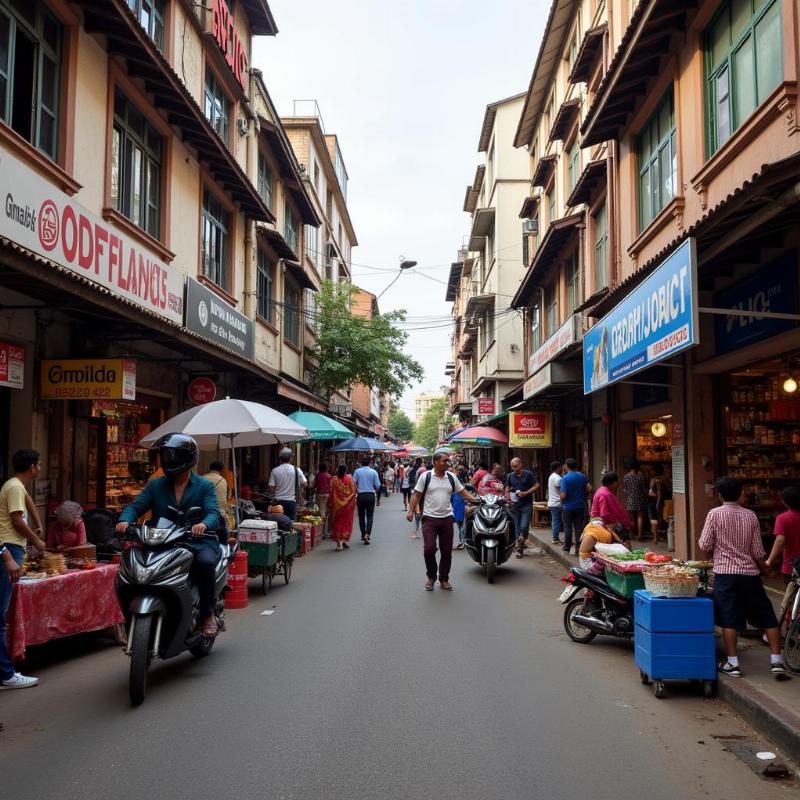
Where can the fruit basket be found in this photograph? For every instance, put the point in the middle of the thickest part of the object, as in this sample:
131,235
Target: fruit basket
670,580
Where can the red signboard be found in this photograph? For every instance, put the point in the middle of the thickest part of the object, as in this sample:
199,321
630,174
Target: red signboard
202,390
226,36
12,365
530,429
486,405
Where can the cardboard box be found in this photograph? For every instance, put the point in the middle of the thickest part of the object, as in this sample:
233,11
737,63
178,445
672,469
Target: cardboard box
259,531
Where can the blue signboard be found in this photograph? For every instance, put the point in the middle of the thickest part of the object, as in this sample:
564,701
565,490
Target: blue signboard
772,289
655,321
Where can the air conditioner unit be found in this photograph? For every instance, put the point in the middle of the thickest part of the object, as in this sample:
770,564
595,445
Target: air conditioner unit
530,227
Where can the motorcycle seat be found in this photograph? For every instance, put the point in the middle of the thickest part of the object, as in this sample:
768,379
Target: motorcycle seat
589,579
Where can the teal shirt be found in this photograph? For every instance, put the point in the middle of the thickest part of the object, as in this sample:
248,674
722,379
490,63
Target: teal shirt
159,495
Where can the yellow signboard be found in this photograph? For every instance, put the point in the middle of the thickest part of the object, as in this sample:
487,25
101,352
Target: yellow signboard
530,429
89,379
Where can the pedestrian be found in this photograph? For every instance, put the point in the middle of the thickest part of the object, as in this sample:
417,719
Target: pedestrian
607,507
405,489
388,478
635,488
16,511
733,535
221,488
432,494
416,470
554,500
655,501
492,482
459,506
368,486
342,505
520,487
398,474
285,482
322,491
574,488
787,544
480,472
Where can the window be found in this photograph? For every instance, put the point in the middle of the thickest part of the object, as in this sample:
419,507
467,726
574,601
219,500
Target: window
316,177
310,308
572,52
265,303
136,167
525,250
573,282
291,314
536,328
312,243
488,328
150,14
341,237
552,310
217,105
30,67
658,162
744,64
289,227
551,204
329,207
264,180
341,173
214,244
573,164
600,248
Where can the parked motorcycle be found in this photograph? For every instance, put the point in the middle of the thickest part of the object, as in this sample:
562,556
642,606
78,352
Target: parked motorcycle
599,610
791,645
489,537
158,597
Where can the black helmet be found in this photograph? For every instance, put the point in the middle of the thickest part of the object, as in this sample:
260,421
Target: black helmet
178,453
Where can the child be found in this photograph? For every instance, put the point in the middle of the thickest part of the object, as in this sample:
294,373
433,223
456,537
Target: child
68,529
733,535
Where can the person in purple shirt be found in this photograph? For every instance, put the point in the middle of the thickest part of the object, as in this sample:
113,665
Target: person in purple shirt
574,488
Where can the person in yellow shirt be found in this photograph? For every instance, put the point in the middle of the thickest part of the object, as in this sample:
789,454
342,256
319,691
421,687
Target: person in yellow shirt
216,474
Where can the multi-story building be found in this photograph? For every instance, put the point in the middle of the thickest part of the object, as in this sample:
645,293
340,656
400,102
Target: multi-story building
128,256
369,404
690,365
422,402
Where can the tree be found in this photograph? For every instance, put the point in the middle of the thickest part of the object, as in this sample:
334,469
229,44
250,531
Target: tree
352,349
400,425
426,433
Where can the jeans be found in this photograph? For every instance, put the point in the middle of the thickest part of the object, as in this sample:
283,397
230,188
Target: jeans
289,508
555,521
461,530
433,529
574,518
6,589
522,519
365,502
203,575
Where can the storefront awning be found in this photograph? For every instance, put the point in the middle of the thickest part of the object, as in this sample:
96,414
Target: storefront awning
321,427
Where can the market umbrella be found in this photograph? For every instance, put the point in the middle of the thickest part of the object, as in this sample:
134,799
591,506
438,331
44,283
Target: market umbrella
361,444
481,435
320,427
415,449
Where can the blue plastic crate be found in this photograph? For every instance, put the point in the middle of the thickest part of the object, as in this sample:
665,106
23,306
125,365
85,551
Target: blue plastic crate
673,614
675,656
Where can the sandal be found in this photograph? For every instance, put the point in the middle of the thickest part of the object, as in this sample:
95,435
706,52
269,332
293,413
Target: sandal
429,586
210,630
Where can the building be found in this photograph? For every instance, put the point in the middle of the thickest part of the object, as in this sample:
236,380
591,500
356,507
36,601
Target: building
422,402
369,404
690,356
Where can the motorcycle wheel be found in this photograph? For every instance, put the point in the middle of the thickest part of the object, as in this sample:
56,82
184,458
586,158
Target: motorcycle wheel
578,633
287,569
140,659
491,563
791,647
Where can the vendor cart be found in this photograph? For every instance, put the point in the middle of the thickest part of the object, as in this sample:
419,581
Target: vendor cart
270,552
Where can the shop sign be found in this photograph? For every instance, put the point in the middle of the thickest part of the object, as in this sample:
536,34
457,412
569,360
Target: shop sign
552,375
483,406
773,289
48,222
655,321
679,469
211,318
202,391
374,403
223,29
12,365
88,379
566,335
530,429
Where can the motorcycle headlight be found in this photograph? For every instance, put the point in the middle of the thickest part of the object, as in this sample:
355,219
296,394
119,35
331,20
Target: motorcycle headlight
154,536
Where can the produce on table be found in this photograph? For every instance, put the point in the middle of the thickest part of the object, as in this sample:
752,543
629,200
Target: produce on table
658,558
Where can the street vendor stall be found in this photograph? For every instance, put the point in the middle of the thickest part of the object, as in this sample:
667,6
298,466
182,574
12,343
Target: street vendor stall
51,607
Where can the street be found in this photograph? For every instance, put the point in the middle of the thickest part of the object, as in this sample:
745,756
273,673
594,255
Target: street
362,685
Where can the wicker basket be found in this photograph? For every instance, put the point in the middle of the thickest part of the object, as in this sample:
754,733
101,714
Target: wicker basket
661,586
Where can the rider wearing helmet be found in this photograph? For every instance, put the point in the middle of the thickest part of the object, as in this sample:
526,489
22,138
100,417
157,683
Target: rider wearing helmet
183,489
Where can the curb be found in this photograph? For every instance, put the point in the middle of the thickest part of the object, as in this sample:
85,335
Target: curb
556,553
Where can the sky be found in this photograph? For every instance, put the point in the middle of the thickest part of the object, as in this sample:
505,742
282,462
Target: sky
405,87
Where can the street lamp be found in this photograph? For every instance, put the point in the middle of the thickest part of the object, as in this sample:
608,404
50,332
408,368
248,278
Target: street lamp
404,265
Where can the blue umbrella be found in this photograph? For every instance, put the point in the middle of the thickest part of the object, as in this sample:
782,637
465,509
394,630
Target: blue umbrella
361,444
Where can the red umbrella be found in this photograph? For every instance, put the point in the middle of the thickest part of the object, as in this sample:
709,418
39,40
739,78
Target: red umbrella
481,435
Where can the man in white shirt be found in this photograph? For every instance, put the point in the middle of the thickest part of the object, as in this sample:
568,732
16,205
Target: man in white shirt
433,494
554,499
285,482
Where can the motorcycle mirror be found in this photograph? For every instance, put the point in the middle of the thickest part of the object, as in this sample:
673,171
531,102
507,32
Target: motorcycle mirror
195,513
173,513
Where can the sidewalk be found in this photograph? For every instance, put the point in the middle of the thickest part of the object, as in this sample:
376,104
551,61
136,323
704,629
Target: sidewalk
773,707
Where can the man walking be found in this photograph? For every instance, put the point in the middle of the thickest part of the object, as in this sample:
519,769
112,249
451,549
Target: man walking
368,487
520,486
574,488
285,482
433,494
554,499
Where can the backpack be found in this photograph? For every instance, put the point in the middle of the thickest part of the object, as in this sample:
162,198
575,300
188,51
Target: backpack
412,477
428,483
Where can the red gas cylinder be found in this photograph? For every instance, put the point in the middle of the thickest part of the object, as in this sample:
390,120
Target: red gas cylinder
237,580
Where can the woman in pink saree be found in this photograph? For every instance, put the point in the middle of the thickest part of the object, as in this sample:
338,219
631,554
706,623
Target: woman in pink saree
341,508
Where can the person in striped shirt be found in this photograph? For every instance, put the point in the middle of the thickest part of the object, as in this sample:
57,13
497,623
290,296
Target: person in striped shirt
732,534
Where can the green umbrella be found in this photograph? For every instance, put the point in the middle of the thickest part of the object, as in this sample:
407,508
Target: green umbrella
320,427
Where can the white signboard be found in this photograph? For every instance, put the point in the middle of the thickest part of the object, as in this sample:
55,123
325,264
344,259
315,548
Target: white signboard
36,215
678,469
566,335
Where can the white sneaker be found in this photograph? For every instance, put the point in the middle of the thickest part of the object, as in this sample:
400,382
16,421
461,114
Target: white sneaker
18,681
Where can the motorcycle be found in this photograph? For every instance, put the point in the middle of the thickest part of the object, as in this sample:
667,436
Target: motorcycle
158,598
791,645
600,610
489,540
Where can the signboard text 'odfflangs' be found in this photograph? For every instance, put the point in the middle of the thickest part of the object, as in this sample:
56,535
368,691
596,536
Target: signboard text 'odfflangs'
655,321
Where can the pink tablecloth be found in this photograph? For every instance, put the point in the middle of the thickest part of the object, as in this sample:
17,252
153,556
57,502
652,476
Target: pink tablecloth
78,602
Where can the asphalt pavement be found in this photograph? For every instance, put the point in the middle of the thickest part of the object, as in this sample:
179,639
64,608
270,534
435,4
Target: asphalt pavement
362,685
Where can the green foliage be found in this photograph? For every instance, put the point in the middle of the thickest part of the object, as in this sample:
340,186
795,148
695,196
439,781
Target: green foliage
400,425
351,349
426,433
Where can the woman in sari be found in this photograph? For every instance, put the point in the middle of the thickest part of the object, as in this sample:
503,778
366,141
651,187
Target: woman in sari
342,506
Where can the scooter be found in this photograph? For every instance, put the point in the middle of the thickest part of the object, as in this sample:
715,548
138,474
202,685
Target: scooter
158,598
600,610
489,540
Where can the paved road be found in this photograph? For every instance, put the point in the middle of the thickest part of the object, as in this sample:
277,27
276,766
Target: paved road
362,685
